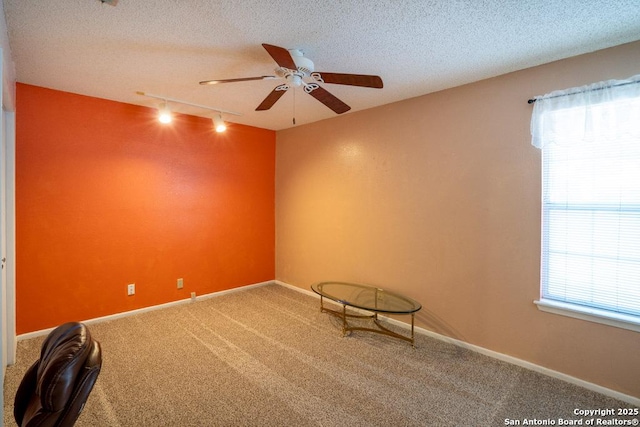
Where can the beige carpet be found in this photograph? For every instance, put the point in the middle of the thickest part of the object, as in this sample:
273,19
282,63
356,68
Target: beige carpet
267,357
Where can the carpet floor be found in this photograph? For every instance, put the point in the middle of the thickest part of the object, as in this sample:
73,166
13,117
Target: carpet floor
267,356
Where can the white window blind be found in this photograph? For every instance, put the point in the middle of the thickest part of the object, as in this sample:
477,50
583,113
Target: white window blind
590,140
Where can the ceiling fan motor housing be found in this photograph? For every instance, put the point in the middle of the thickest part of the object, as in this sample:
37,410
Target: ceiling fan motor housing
304,69
305,65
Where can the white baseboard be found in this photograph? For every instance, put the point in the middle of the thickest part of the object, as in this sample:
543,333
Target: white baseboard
146,309
503,357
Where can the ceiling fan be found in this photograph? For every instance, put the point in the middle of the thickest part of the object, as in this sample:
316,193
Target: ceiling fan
294,68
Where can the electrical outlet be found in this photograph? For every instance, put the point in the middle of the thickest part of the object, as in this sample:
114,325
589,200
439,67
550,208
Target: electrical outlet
180,283
131,289
193,296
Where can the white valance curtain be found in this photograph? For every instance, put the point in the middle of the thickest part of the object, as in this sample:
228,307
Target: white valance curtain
590,141
583,107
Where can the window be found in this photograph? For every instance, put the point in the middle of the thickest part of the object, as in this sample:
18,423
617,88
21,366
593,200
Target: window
590,141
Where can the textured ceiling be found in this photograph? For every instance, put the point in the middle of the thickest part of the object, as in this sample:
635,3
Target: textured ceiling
166,47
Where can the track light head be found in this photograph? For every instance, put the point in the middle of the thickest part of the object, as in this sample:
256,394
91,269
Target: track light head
218,123
164,114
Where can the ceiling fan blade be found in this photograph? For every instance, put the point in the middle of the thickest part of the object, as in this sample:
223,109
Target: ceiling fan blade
323,95
363,80
241,79
281,56
271,99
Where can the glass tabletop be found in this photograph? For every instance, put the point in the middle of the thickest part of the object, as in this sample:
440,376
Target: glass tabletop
367,297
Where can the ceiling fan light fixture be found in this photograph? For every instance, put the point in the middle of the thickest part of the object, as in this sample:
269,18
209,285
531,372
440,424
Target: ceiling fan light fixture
219,124
295,80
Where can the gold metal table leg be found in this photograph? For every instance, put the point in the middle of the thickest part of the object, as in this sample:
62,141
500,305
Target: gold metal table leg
413,340
381,329
344,320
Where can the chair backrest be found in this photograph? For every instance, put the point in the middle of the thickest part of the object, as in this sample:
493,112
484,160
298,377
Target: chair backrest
55,388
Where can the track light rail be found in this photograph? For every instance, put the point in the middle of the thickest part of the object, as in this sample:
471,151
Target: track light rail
177,101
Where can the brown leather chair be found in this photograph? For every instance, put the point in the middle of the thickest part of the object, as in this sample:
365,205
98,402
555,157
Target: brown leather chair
55,388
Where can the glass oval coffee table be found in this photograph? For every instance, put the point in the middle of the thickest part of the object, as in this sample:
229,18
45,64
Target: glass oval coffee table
368,298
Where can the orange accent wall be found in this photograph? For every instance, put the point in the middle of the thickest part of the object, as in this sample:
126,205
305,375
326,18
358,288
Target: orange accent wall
107,196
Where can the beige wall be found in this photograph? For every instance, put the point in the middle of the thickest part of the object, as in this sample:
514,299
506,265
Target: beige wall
438,197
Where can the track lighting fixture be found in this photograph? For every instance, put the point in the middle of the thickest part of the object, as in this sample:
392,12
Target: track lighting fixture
165,113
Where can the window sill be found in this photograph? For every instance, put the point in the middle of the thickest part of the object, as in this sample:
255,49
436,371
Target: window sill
617,320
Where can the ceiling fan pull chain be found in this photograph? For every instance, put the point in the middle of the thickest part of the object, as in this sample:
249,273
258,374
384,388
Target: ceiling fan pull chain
294,106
